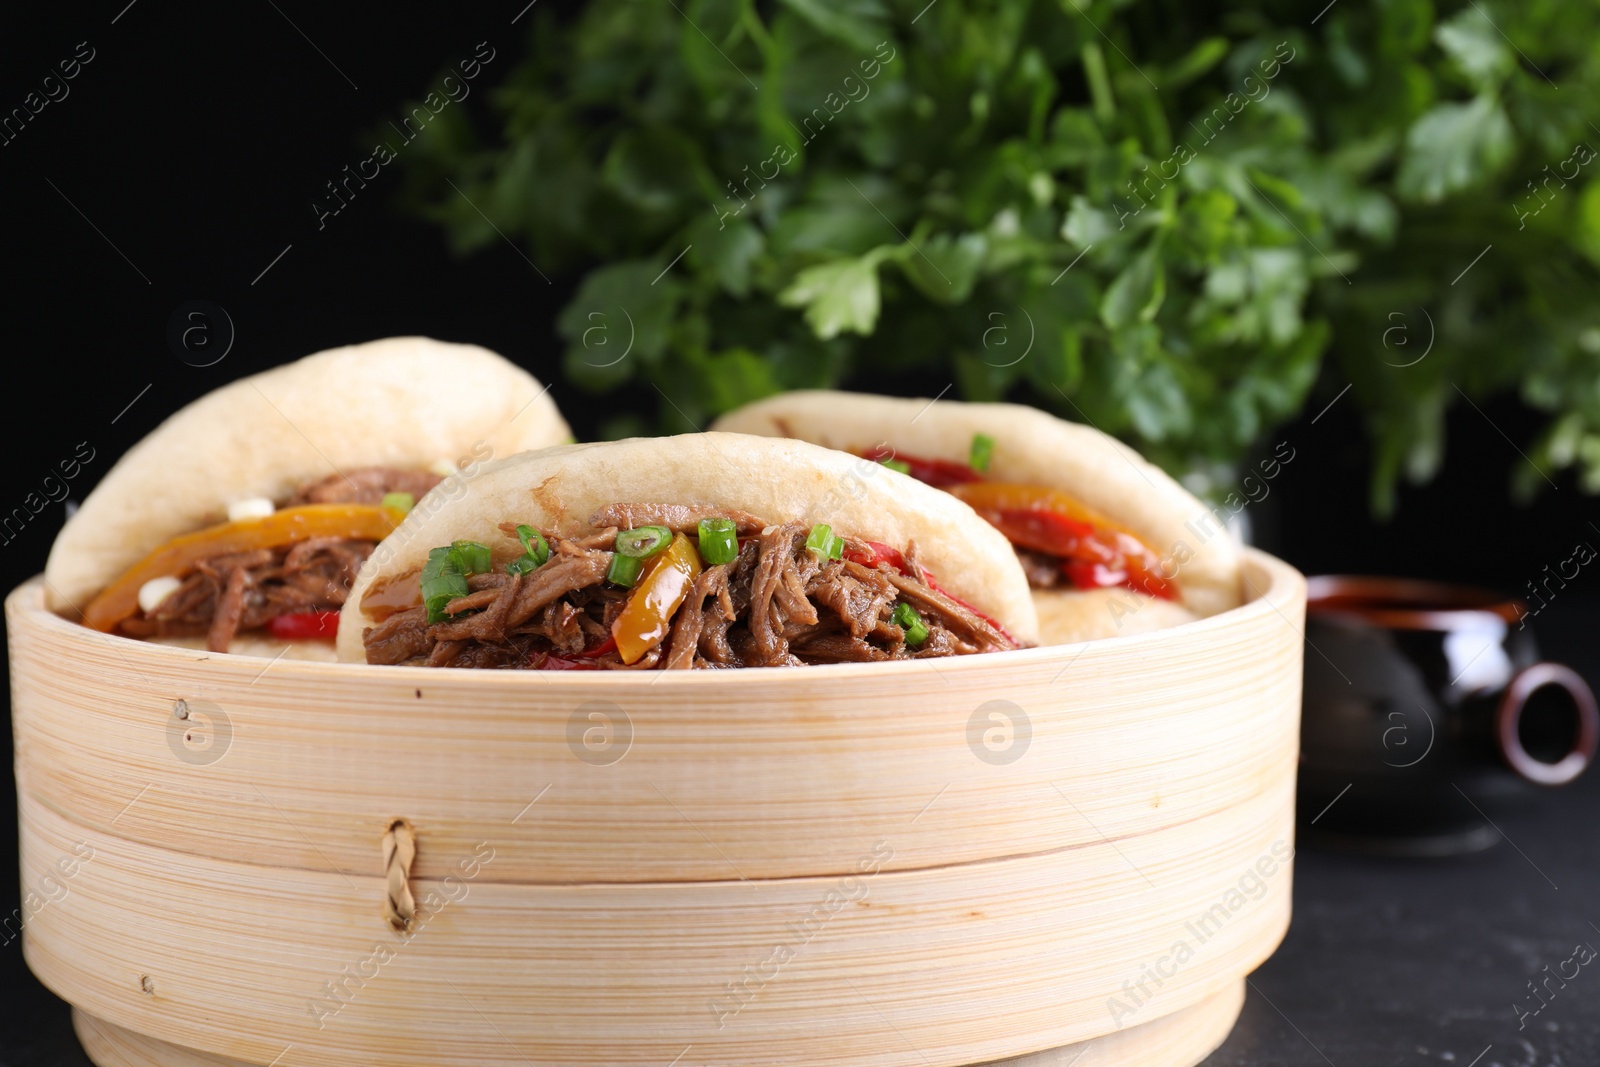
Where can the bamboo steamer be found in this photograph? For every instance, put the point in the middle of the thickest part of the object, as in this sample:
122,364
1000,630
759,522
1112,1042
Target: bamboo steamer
1051,856
1182,1037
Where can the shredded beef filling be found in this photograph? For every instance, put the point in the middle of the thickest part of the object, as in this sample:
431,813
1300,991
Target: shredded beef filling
775,605
679,518
368,485
1043,570
245,590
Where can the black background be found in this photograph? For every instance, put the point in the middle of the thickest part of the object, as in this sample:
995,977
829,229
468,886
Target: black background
196,141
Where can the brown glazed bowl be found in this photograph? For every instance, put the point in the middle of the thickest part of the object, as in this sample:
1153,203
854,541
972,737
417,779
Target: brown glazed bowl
1426,706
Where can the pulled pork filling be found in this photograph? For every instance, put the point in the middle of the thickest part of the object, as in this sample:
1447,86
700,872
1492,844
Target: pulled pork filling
239,591
777,603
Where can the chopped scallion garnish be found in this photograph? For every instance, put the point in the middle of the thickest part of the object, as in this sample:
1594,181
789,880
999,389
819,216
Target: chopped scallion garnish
896,464
399,501
906,617
823,543
644,542
719,541
981,453
442,581
624,570
535,551
472,557
444,575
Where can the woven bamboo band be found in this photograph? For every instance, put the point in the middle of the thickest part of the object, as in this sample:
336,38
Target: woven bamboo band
399,851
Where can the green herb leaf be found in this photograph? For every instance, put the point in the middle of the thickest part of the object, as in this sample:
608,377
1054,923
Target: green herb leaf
838,297
945,268
1455,146
727,248
621,317
1471,39
1136,294
859,24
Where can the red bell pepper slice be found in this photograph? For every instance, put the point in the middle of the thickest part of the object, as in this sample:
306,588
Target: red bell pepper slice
939,473
1095,551
574,661
608,645
305,626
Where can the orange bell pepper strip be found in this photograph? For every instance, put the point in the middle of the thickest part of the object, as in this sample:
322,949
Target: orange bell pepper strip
1096,551
647,616
178,557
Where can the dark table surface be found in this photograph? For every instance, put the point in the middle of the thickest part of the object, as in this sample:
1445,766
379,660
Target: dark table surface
1387,962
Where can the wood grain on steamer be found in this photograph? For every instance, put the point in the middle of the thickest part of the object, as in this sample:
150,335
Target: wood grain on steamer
1181,1039
979,961
113,1046
763,774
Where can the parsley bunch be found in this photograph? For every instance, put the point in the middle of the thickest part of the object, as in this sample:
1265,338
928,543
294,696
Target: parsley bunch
1153,215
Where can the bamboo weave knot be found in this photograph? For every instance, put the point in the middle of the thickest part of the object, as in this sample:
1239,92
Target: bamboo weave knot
399,852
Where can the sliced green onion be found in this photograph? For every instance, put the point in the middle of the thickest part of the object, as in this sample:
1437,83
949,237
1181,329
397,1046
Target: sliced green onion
822,543
442,582
535,551
643,542
896,464
471,557
719,541
440,590
982,451
906,617
624,570
533,543
399,501
444,575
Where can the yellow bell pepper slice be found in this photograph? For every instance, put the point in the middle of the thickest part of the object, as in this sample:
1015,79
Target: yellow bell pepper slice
647,617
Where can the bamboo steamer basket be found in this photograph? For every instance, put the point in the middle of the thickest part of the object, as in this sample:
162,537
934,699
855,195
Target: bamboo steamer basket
1066,855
